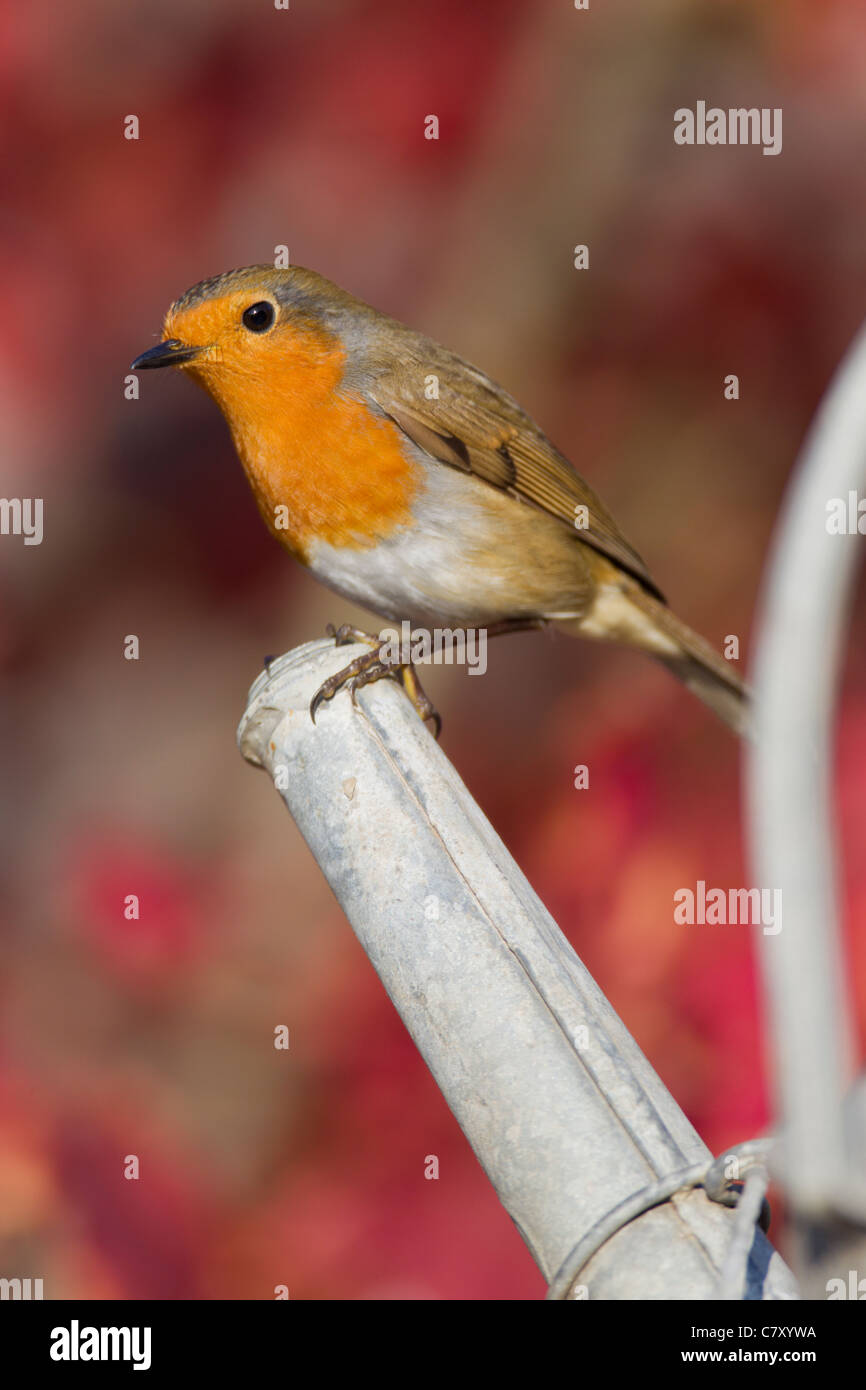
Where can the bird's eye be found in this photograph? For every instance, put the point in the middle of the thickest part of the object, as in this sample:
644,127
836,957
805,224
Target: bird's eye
259,317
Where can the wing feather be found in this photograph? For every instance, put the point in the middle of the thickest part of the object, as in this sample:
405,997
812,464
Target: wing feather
476,426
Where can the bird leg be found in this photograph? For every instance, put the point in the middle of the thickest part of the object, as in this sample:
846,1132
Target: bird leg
368,668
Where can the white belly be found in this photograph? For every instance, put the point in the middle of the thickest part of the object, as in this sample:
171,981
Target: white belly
474,557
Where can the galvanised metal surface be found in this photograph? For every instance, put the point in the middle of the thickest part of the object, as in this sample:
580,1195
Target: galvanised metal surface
561,1107
803,621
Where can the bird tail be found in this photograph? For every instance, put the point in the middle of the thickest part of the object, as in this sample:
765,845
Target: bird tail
627,612
727,696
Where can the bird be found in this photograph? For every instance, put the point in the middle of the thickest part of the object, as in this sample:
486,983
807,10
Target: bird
409,482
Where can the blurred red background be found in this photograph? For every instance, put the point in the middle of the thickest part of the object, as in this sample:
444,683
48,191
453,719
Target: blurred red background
305,127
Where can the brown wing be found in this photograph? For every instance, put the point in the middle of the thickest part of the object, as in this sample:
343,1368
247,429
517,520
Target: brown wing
476,426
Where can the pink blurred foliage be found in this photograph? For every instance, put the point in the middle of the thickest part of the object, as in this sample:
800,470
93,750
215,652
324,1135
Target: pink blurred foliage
167,926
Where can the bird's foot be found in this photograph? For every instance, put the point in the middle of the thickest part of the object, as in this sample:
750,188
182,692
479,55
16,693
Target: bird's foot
370,667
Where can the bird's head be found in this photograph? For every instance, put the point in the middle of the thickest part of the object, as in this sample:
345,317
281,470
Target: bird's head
256,332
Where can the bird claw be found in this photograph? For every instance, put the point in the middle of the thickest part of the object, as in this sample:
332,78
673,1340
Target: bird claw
366,669
346,636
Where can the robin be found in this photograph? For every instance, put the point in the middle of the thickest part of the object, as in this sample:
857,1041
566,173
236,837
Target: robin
412,484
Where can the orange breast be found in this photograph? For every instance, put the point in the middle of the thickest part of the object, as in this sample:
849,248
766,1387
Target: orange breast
321,465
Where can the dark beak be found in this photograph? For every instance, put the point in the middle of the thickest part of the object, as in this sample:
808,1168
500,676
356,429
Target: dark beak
171,353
